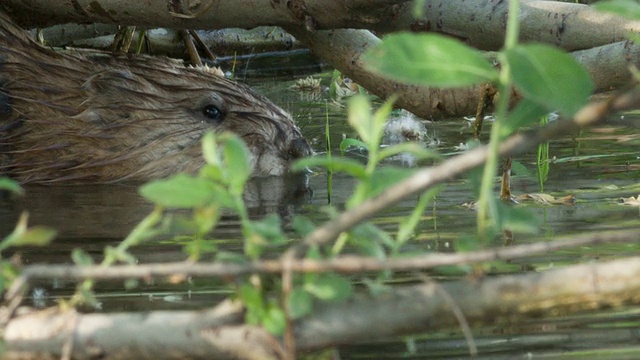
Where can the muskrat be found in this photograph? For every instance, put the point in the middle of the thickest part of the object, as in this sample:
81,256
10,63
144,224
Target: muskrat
68,117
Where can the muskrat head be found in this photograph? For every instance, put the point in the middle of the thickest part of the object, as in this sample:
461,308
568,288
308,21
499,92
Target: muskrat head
109,119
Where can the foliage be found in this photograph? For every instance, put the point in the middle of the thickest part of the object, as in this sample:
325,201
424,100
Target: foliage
547,78
22,235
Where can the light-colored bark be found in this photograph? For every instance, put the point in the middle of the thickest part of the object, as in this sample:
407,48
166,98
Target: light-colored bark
479,22
403,311
214,334
482,23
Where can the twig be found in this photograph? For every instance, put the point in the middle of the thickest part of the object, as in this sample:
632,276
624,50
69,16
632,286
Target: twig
342,264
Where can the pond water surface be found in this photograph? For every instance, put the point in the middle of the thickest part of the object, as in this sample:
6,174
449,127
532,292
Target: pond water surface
599,166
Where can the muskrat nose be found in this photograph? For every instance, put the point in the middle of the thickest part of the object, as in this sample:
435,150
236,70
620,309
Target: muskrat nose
300,148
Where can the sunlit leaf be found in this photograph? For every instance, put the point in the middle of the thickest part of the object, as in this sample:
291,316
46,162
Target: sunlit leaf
629,9
330,287
550,77
429,59
299,303
210,149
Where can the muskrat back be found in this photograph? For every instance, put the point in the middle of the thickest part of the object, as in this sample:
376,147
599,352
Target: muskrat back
78,118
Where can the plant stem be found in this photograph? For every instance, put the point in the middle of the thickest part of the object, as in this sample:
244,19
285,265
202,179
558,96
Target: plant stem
486,200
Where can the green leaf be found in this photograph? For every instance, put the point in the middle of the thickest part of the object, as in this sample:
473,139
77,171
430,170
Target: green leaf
526,112
408,224
387,176
629,9
359,117
237,159
430,60
348,142
346,165
274,320
330,287
550,77
10,185
369,238
81,257
231,257
197,247
36,236
409,147
302,225
299,303
252,300
517,219
270,229
179,191
210,149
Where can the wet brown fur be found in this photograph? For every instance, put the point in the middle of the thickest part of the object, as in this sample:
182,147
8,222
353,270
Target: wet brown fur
75,118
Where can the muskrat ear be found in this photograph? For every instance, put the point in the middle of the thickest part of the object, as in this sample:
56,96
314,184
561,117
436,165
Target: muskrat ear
108,80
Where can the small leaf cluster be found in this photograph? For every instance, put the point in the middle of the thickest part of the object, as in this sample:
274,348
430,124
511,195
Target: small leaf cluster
22,235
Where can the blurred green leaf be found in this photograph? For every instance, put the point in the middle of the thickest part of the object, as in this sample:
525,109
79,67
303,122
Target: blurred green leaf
36,236
359,117
210,149
302,225
113,254
629,9
517,219
550,77
252,299
408,224
409,147
330,287
335,164
525,113
198,247
387,176
237,159
179,191
430,60
231,257
299,303
10,185
274,320
348,142
270,229
81,257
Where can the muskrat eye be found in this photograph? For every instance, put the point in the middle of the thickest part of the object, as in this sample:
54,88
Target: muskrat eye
212,113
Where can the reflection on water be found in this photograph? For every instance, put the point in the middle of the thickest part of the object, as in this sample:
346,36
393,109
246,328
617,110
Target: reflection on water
598,166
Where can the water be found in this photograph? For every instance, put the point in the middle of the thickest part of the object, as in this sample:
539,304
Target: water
599,166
